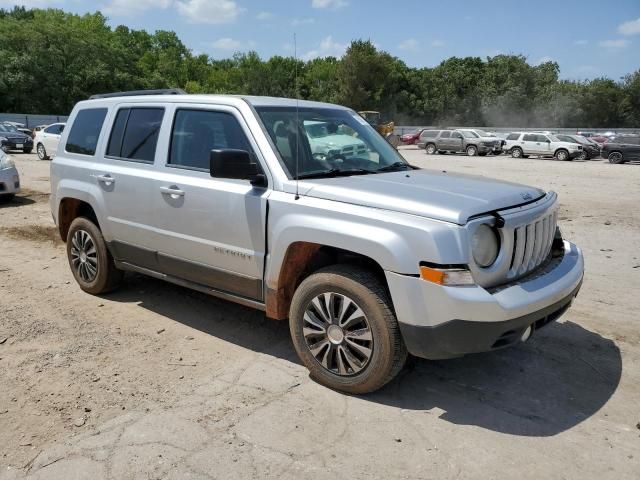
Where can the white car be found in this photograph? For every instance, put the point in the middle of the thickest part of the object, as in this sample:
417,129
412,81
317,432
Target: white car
9,179
47,139
327,143
523,144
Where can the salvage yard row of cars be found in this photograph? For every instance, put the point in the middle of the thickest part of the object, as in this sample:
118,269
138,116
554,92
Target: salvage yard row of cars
617,148
45,138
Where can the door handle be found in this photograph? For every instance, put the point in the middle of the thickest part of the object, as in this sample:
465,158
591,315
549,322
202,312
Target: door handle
107,179
173,191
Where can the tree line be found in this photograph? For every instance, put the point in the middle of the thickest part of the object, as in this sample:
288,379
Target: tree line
50,59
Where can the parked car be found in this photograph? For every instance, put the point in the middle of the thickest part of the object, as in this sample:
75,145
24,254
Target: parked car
12,139
590,149
412,138
9,178
426,136
524,144
46,140
467,141
486,137
622,148
367,258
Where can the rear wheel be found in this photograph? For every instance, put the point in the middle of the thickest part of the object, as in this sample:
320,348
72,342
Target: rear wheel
616,157
42,152
91,263
472,150
516,152
344,329
430,148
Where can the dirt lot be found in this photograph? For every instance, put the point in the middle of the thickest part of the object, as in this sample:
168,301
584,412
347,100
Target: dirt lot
155,381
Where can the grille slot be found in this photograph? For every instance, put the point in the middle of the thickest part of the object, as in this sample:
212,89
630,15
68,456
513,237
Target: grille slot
532,244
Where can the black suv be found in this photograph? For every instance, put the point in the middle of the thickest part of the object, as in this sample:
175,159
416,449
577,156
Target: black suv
622,148
13,139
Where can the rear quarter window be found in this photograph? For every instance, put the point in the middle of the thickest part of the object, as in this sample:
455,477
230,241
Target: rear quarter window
513,136
85,131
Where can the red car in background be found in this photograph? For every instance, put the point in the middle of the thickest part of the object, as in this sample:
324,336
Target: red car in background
411,138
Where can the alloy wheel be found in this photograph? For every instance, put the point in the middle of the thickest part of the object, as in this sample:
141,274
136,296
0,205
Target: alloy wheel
84,256
337,333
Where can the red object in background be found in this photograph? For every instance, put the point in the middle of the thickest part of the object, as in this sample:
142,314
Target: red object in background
411,138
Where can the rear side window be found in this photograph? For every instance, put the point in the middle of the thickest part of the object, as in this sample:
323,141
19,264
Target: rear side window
134,135
513,136
542,138
429,133
445,134
196,132
631,140
85,131
54,129
530,138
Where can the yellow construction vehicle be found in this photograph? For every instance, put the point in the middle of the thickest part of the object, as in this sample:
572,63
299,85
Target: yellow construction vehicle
385,129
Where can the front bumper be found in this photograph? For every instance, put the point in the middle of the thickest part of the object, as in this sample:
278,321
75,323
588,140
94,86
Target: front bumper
444,322
575,154
13,145
9,181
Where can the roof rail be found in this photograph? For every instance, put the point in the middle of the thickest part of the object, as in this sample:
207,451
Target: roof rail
161,91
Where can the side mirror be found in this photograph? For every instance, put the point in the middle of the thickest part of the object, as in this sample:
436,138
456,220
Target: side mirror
235,164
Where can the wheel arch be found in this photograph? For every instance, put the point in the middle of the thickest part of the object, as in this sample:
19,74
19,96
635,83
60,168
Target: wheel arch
71,208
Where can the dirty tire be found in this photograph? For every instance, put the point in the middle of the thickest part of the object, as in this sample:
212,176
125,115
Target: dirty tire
364,289
516,152
430,148
107,277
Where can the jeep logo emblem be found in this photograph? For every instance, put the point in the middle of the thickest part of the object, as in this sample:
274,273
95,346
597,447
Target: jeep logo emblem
526,196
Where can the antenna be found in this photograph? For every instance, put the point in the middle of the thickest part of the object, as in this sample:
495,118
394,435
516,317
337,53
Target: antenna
295,56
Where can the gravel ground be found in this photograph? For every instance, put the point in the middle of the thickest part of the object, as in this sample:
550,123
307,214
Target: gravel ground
156,381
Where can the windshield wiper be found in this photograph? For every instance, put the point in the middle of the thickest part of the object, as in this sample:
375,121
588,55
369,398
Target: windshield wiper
395,166
336,172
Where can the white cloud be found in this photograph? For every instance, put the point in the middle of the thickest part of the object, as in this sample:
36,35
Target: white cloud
209,11
544,59
335,4
327,48
302,21
619,43
581,43
127,8
265,16
437,43
410,44
28,3
227,44
632,27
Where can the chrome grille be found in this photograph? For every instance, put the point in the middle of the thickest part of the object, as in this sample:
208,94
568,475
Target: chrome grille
532,244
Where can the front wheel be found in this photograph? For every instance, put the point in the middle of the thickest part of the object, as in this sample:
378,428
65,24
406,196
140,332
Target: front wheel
344,330
472,150
42,152
516,152
91,262
562,155
431,149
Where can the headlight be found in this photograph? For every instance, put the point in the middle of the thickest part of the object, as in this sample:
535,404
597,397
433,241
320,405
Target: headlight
5,162
485,246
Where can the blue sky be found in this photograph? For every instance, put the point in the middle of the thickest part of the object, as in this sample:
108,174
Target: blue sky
588,38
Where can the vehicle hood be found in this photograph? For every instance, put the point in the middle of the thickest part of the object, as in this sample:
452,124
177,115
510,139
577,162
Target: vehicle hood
490,139
335,141
15,136
433,194
566,145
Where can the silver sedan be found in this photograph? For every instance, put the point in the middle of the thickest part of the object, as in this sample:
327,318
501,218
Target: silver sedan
9,178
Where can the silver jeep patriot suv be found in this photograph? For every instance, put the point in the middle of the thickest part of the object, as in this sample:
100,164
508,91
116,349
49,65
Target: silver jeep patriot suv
368,257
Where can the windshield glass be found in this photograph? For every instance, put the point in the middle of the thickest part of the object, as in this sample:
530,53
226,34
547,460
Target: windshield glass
5,127
580,140
331,140
553,138
468,134
482,133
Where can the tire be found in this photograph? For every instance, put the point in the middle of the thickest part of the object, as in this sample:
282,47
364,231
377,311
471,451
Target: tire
27,150
430,149
346,368
516,152
584,155
83,237
562,155
472,151
42,152
616,158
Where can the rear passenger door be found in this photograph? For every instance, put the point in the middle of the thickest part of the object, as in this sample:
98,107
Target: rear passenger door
124,178
212,229
544,145
530,144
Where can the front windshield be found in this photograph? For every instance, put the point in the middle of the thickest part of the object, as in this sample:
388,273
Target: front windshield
482,133
468,134
5,127
331,141
581,140
553,138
